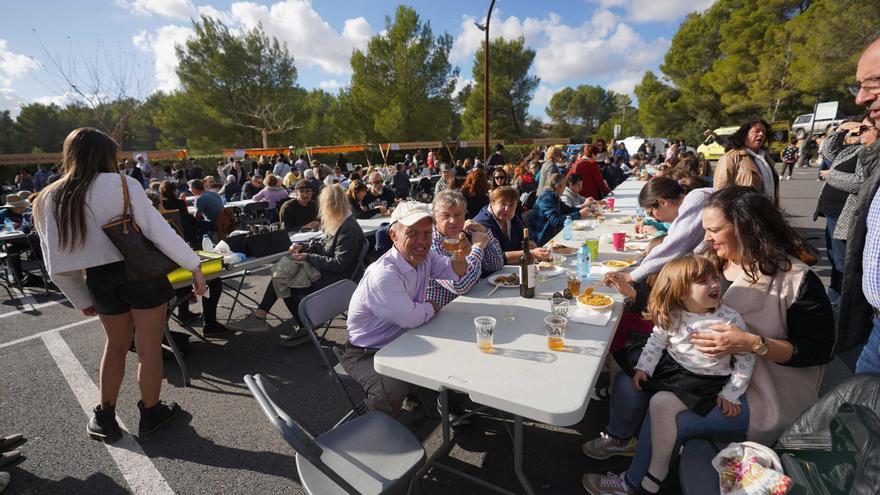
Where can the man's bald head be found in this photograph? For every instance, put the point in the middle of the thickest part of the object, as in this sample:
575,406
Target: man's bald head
868,76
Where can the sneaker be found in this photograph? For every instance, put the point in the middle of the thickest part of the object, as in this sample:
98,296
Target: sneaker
215,330
294,340
7,457
103,426
10,441
600,393
605,446
249,324
154,419
788,177
606,484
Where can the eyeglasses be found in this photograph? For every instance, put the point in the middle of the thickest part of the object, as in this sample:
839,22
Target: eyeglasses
499,177
871,85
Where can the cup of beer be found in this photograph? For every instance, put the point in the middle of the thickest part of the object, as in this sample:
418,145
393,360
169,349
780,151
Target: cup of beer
618,239
451,245
555,325
485,327
559,305
574,282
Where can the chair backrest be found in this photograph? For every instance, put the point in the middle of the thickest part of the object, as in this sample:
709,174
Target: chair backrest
294,434
325,304
527,218
361,262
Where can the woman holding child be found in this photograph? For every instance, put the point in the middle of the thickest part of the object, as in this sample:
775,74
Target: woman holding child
788,329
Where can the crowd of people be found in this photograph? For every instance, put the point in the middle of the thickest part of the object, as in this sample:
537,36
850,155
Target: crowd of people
726,327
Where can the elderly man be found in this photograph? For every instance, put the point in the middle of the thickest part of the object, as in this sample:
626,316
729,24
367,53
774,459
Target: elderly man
377,194
445,175
483,257
859,317
391,298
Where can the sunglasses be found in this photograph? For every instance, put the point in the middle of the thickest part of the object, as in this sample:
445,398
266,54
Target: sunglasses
499,177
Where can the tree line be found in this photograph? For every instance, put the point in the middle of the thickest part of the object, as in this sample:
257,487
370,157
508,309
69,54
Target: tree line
736,60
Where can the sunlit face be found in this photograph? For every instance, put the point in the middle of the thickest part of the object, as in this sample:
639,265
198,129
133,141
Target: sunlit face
720,234
868,77
450,221
376,185
414,242
257,182
503,210
868,132
756,136
666,210
704,296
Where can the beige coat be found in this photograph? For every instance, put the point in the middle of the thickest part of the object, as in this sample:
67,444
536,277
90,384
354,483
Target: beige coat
777,394
738,168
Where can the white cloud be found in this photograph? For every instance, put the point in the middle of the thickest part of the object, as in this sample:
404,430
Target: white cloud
644,11
175,9
10,100
331,85
60,100
460,84
219,15
542,96
311,41
162,45
14,65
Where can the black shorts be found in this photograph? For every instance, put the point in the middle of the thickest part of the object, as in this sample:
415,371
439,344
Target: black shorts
114,294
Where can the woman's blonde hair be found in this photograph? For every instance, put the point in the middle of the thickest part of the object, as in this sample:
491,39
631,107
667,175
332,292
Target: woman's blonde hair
673,284
333,208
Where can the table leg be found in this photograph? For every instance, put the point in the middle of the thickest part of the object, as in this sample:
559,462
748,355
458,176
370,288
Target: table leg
518,455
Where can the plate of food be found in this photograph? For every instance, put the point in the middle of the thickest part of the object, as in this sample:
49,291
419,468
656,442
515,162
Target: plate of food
504,280
580,225
548,269
625,220
564,250
595,302
615,265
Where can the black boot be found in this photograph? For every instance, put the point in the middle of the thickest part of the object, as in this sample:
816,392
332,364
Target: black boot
155,418
103,427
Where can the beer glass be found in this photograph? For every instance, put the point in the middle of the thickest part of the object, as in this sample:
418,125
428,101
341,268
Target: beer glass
485,327
555,325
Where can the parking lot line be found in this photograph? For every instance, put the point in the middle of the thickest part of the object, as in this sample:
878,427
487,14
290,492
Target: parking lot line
138,470
53,330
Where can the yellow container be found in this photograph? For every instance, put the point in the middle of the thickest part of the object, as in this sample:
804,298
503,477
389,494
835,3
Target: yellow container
210,263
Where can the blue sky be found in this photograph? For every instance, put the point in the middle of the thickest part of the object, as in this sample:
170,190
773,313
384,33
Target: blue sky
605,42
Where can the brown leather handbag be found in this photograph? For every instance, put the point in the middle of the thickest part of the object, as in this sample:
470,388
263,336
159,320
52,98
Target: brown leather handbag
143,260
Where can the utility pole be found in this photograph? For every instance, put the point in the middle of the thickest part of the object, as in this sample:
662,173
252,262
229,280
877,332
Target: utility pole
485,29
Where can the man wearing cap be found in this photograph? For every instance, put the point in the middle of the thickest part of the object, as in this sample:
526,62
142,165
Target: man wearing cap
391,298
445,176
145,166
496,159
302,212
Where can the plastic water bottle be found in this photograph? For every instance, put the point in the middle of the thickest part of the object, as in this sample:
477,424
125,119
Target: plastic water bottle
207,245
584,262
7,224
566,229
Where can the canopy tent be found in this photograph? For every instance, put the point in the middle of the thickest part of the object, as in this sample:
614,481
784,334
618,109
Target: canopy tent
38,158
240,153
544,141
345,148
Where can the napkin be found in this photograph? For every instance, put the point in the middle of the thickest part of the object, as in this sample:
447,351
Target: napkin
589,317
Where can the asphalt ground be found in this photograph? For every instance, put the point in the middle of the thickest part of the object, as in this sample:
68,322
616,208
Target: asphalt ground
223,443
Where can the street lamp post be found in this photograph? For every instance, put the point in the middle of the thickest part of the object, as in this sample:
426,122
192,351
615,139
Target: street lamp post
485,29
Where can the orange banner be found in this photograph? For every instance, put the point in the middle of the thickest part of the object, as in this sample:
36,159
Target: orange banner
55,158
346,148
251,152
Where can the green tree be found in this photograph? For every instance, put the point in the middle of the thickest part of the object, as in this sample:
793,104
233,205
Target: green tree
659,106
318,119
626,116
7,133
401,87
246,80
581,110
510,90
40,129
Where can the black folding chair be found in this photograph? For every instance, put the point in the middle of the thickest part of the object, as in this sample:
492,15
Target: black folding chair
254,214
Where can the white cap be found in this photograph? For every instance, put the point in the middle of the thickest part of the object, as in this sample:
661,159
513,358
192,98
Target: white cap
411,212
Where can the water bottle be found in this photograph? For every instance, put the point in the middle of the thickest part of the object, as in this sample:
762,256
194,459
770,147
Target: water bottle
584,262
566,229
7,224
207,245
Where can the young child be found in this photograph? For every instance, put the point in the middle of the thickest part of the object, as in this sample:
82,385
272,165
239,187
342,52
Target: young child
686,298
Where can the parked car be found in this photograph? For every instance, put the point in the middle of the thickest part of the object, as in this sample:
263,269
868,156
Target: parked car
803,123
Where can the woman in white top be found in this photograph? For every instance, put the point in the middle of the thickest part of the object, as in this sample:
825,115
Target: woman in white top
90,271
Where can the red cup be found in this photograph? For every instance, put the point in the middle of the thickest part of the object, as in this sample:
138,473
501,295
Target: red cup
609,202
618,239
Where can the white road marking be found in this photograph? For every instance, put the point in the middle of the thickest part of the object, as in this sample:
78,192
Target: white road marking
138,470
54,330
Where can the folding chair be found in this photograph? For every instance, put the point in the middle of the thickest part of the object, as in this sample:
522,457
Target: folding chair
319,308
371,454
254,214
35,262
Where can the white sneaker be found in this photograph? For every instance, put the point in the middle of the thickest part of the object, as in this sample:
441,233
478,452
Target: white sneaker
607,484
788,178
249,324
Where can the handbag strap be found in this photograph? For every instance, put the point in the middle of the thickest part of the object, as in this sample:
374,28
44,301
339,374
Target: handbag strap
125,198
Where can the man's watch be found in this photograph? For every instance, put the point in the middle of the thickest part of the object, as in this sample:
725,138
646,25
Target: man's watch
761,347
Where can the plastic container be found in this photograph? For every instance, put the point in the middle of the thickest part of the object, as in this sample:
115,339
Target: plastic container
584,262
566,229
209,263
7,224
207,245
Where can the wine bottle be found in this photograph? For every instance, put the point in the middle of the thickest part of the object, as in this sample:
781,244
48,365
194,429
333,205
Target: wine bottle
528,271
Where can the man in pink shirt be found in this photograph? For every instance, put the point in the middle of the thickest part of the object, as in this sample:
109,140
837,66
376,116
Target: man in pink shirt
391,298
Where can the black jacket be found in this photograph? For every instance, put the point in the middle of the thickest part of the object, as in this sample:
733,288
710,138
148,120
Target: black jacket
854,322
337,254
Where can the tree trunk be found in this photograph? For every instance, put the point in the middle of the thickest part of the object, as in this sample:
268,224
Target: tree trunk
265,133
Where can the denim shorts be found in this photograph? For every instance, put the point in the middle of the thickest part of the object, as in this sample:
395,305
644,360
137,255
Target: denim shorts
114,294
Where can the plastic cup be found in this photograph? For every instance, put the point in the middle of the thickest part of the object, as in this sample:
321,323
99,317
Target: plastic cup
485,327
593,245
555,326
618,239
609,202
559,305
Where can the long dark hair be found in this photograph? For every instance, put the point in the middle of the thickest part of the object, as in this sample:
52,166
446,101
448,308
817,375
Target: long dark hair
667,188
737,140
766,240
86,153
